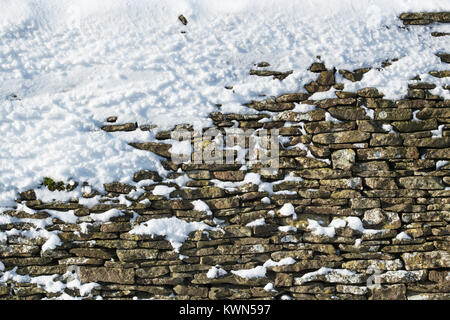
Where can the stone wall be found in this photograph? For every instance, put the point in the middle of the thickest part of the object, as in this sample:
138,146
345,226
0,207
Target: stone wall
368,179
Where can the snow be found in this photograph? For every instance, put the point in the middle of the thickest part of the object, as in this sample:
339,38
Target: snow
269,287
260,271
288,210
266,200
388,127
330,275
72,64
175,230
324,95
303,108
257,272
162,190
215,272
48,283
257,222
369,112
318,230
250,177
441,163
53,283
24,208
289,177
106,216
438,132
282,262
183,148
287,229
403,236
355,223
338,223
330,118
65,216
52,242
200,205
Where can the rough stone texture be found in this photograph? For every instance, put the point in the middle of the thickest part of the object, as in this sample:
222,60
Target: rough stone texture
377,187
108,275
343,159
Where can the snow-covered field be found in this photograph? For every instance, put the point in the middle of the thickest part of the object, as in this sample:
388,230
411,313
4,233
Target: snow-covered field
72,64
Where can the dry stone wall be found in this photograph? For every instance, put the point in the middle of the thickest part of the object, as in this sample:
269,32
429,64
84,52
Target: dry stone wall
359,209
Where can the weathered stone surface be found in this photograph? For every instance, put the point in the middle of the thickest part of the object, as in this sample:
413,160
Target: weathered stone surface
17,251
394,114
196,291
402,276
205,193
118,187
267,73
370,93
426,260
4,290
314,86
440,74
136,254
160,149
317,67
380,153
374,217
385,139
119,127
146,175
381,183
115,227
292,97
332,276
324,126
119,244
92,253
424,17
423,182
355,75
390,292
357,290
332,102
320,173
348,113
314,115
412,126
109,275
351,183
430,113
343,159
383,265
229,175
438,154
152,272
341,137
326,78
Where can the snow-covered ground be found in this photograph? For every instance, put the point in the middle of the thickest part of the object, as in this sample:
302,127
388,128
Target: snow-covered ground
72,64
